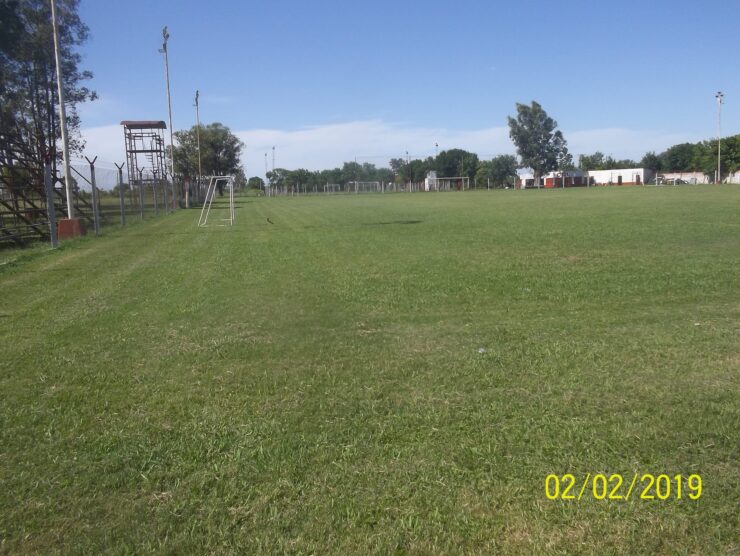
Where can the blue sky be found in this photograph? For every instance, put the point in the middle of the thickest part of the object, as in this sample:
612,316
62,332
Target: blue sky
328,81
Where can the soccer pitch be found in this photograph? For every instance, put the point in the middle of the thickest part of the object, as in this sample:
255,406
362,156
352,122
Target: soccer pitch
379,374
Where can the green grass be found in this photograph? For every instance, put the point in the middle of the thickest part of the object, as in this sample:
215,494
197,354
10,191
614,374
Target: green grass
315,385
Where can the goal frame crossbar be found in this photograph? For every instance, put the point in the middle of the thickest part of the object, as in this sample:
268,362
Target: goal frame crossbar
435,182
357,184
210,194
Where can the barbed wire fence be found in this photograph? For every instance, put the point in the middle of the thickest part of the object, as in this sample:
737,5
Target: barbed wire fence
33,199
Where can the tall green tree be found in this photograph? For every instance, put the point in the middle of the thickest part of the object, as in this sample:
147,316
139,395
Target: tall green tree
220,151
538,141
29,125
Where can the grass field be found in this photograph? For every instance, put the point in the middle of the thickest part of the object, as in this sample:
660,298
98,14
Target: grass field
317,384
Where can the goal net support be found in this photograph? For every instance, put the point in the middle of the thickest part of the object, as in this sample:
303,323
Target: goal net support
364,186
218,184
456,183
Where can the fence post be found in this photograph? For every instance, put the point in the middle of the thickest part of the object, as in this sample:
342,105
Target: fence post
163,183
154,191
175,197
50,203
96,211
141,194
120,193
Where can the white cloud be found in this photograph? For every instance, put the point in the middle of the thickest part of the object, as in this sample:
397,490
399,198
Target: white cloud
376,141
105,142
623,143
373,141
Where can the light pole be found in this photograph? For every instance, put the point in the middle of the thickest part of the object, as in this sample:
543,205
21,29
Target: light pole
408,168
197,134
62,115
720,100
436,150
163,50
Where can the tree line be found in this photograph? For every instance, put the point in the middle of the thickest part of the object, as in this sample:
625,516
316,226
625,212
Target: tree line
540,147
498,172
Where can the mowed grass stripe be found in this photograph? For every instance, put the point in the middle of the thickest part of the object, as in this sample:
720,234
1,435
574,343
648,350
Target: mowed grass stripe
315,384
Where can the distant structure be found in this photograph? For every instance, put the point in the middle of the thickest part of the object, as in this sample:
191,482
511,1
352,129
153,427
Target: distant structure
145,151
683,177
575,178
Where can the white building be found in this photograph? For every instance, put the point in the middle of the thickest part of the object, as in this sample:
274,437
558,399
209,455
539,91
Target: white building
620,176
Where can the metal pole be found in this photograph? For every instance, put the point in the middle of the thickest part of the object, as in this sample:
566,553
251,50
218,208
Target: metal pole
165,37
720,98
408,168
96,211
62,114
120,194
197,133
50,203
164,195
154,190
141,194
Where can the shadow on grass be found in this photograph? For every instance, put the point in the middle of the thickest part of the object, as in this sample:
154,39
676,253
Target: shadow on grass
404,222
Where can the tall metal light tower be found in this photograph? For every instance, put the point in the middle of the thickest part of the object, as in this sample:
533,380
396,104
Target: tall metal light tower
163,50
62,114
720,100
197,134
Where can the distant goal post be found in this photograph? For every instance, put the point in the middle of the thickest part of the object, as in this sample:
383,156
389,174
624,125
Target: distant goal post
364,187
455,183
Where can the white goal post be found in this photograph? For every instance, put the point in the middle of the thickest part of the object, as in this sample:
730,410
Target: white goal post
213,185
364,186
455,183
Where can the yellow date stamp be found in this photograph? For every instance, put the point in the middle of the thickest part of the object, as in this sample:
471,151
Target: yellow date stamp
615,486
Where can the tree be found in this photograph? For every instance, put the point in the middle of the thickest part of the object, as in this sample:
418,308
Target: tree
277,177
591,162
679,158
598,161
652,161
455,162
256,182
220,151
539,144
29,128
503,168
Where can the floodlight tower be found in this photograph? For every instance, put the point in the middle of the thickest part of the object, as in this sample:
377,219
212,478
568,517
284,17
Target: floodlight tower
408,168
197,134
163,50
720,100
273,158
62,114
